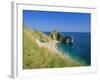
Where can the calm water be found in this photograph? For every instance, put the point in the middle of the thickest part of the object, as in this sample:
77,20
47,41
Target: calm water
81,49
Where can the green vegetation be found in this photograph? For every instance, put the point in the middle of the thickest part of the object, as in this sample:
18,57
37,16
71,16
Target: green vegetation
40,36
39,57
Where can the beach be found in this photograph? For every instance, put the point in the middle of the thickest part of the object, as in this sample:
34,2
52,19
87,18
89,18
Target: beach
52,47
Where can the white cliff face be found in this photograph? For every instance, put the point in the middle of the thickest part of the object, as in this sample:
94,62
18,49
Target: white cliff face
56,36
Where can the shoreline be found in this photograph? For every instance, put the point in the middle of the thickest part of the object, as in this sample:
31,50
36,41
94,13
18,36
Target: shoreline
52,46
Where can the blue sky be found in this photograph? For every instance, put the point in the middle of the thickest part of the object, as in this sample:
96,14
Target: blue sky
59,21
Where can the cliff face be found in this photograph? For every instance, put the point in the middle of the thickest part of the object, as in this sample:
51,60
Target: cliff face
64,39
56,36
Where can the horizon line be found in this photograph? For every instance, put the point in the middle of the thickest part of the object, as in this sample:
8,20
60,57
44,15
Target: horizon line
54,30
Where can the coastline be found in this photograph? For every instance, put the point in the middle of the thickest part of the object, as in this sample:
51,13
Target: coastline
52,46
46,54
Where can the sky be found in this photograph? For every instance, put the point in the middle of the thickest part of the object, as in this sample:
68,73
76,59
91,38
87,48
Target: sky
48,21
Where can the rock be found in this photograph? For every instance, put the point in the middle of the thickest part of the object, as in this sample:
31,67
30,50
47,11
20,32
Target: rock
64,39
68,40
56,36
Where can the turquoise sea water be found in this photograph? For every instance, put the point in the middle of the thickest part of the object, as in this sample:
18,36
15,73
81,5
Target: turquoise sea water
81,49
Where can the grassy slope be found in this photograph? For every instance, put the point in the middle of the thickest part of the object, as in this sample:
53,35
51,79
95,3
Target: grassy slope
36,57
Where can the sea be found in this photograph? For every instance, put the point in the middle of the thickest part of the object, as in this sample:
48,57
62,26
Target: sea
80,51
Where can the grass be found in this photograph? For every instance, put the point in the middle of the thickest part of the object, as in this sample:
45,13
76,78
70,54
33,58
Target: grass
36,57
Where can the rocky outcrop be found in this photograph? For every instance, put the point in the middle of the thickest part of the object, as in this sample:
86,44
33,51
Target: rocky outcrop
56,36
60,37
68,39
